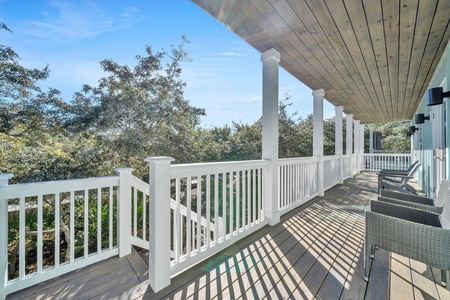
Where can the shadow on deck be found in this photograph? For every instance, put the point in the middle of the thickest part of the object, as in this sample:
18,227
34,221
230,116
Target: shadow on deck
315,252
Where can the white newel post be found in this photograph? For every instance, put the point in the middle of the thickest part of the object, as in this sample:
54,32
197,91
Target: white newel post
124,211
361,144
371,146
338,137
270,60
357,146
4,178
159,217
371,141
349,141
318,135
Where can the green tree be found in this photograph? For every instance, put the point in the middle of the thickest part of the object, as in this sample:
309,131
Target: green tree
30,121
395,140
140,111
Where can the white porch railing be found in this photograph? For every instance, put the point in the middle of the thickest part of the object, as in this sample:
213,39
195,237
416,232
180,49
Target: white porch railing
298,177
331,171
72,208
229,196
298,181
387,161
187,213
140,215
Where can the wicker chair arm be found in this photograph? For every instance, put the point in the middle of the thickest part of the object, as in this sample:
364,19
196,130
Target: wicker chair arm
407,197
424,243
430,208
406,213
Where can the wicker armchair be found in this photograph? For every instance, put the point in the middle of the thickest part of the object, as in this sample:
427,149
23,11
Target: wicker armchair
397,181
419,202
414,233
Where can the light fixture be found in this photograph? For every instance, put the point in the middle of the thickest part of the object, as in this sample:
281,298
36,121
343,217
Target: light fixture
435,96
412,129
408,134
420,118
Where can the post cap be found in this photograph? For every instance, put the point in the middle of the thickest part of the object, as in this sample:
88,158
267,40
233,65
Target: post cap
159,159
339,108
271,53
124,170
319,92
4,178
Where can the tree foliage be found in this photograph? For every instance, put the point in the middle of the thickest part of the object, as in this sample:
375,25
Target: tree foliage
395,140
140,111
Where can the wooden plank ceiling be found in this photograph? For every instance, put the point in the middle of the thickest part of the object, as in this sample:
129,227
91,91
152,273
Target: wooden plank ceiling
374,57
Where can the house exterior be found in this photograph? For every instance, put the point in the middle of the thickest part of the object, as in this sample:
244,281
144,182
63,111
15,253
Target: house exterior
431,140
373,60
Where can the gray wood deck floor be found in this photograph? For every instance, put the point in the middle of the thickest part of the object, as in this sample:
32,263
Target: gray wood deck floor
314,253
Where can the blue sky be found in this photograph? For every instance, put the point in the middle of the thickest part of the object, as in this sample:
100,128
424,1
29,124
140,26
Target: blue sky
224,76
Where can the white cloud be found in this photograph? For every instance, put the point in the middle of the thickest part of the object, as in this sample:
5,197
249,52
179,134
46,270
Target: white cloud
235,54
77,20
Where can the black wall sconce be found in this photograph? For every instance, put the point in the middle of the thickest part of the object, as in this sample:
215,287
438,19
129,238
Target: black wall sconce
412,129
420,118
435,96
408,134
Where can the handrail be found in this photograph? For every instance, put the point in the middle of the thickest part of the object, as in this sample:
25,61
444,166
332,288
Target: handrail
184,170
60,186
289,161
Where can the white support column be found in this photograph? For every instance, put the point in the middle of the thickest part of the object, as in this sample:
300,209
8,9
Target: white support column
371,141
270,60
361,144
159,217
4,178
318,135
349,140
124,211
357,145
338,140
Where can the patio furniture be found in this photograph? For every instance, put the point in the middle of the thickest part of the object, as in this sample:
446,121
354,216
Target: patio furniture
418,202
397,172
411,232
397,182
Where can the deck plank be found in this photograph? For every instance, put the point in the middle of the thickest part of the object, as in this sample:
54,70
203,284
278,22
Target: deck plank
401,281
139,265
62,283
423,281
379,280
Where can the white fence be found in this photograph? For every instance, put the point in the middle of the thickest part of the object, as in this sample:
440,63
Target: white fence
228,196
387,161
208,207
331,171
298,181
52,215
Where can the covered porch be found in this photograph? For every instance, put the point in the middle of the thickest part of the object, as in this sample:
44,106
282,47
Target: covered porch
268,228
314,252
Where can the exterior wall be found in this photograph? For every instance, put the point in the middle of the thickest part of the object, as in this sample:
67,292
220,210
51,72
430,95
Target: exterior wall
377,138
423,139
